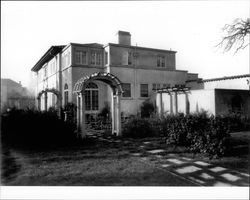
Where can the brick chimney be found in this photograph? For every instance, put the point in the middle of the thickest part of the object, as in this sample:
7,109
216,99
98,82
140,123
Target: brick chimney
124,38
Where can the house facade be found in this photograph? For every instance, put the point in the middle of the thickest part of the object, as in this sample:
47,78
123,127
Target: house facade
13,94
141,70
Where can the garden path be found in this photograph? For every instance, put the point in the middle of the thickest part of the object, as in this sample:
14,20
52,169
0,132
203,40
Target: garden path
195,170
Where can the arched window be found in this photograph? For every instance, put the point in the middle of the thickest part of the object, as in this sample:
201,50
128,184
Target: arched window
66,94
91,97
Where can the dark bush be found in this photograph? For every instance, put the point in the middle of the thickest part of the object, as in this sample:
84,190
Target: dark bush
147,109
70,109
199,132
138,128
105,112
31,128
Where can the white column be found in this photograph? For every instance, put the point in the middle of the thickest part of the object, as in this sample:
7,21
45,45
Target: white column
187,103
171,103
175,103
161,105
118,115
82,114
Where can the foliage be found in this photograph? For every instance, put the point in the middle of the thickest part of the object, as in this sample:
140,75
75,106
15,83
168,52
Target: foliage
138,128
147,109
105,112
70,109
199,132
31,128
237,34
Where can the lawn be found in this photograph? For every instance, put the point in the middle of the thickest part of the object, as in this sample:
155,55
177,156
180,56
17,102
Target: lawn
98,163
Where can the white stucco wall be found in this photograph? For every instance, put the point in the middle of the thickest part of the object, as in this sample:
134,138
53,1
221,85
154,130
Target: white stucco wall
198,100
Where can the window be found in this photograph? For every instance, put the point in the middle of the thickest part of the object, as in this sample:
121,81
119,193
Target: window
95,58
98,59
45,71
156,86
144,90
106,58
66,59
81,57
66,94
166,85
126,89
130,58
160,61
91,97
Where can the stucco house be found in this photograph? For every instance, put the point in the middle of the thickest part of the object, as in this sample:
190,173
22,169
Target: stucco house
13,94
141,70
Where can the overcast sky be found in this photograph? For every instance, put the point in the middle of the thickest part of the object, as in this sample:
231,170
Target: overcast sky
192,28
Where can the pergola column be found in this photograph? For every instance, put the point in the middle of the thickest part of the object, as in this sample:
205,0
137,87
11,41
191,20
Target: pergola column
187,103
171,103
175,103
161,105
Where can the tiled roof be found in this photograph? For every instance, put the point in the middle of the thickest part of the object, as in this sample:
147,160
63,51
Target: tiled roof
226,78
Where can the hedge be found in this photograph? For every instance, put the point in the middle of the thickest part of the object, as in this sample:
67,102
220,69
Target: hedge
31,129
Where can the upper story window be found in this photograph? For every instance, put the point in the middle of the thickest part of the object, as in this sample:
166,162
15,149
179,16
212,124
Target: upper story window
166,85
156,86
45,71
81,57
66,94
66,59
160,61
126,89
95,58
130,58
144,90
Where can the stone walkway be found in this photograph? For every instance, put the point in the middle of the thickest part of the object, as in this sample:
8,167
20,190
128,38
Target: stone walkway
196,171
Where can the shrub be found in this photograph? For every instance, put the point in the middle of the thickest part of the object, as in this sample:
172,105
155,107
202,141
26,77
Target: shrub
71,110
105,112
199,132
31,128
138,128
147,109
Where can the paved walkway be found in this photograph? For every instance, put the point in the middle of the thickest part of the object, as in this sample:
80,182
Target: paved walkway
196,171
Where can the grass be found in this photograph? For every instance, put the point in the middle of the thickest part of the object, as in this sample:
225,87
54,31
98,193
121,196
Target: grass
98,165
104,164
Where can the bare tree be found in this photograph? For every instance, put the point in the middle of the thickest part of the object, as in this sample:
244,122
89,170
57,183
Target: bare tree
237,35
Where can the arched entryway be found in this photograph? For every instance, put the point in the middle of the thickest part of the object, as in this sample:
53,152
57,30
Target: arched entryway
45,92
80,88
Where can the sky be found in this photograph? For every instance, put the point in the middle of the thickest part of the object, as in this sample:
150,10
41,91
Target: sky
192,28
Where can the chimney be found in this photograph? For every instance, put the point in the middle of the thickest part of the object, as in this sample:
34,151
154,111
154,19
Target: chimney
124,38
